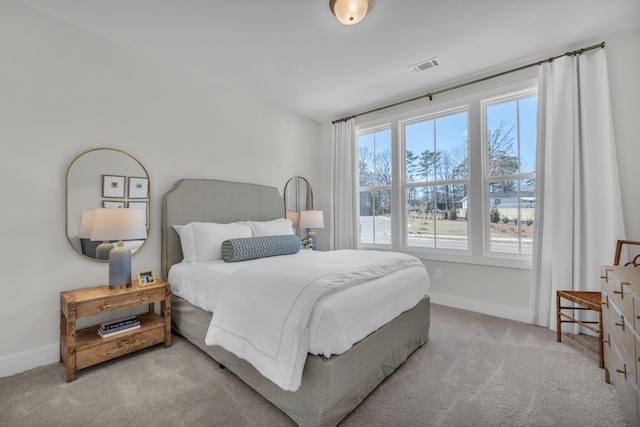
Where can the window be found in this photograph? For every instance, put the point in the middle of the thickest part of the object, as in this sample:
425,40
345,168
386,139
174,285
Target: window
453,181
510,141
375,168
437,176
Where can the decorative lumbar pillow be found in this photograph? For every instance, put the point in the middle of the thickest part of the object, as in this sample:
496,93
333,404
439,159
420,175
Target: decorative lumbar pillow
276,227
234,250
210,235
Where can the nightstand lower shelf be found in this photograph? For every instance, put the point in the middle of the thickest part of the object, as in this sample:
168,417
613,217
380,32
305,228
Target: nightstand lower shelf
92,349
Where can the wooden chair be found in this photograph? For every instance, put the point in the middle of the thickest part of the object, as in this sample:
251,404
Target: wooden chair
586,300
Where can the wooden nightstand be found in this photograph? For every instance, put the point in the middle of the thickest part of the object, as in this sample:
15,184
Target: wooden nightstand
83,348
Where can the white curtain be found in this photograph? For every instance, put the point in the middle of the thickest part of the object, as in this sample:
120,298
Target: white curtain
578,201
343,186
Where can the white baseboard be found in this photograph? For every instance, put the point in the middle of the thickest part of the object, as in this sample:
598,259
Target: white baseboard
497,310
16,363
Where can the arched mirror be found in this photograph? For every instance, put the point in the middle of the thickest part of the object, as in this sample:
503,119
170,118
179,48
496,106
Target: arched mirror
103,178
298,197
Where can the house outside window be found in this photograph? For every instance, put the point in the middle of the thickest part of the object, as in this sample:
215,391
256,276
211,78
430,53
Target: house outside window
453,181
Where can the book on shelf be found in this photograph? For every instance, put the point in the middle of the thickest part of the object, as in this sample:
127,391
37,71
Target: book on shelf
108,334
116,323
121,327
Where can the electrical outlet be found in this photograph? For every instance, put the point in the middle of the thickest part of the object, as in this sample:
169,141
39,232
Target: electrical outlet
439,274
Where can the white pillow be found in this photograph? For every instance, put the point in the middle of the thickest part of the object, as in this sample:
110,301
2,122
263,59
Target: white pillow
188,242
209,237
276,227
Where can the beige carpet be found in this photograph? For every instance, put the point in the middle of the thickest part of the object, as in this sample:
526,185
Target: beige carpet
476,370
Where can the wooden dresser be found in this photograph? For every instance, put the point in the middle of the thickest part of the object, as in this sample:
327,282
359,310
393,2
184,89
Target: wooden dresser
621,334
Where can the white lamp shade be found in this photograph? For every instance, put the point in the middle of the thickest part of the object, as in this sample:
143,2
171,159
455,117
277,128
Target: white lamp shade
350,12
294,217
119,224
86,223
311,219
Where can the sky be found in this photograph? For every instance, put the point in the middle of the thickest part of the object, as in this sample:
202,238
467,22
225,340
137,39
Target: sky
451,131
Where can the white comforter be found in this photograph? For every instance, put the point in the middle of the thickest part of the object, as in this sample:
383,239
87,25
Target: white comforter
263,317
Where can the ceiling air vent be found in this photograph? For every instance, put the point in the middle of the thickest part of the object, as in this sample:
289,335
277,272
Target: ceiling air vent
425,65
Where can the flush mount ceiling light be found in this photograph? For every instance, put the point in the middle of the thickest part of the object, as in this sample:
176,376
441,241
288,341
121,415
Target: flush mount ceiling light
350,12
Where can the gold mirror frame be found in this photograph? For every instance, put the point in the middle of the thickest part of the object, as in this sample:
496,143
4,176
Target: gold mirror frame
124,168
298,196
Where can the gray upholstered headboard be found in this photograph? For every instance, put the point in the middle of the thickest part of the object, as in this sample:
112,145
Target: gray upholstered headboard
203,200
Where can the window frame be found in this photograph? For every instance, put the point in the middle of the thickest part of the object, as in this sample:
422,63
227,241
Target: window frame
478,233
486,102
370,188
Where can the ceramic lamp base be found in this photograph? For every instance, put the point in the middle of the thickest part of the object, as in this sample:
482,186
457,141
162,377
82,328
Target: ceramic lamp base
119,267
103,249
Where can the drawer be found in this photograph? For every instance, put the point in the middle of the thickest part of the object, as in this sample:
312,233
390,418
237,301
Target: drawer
636,314
624,383
614,289
621,332
119,347
117,302
637,359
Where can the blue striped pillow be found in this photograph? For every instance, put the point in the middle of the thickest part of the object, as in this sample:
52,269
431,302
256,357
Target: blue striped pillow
246,248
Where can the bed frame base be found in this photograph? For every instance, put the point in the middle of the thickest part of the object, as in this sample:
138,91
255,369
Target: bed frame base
331,387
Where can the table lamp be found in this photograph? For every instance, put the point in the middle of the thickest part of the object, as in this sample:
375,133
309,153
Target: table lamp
86,225
295,220
311,220
118,224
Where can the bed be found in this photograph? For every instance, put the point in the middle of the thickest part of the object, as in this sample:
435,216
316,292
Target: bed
330,387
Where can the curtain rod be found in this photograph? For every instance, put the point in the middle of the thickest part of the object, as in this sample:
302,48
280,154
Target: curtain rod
458,86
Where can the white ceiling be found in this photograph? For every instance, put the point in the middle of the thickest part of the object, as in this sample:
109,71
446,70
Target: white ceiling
296,55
